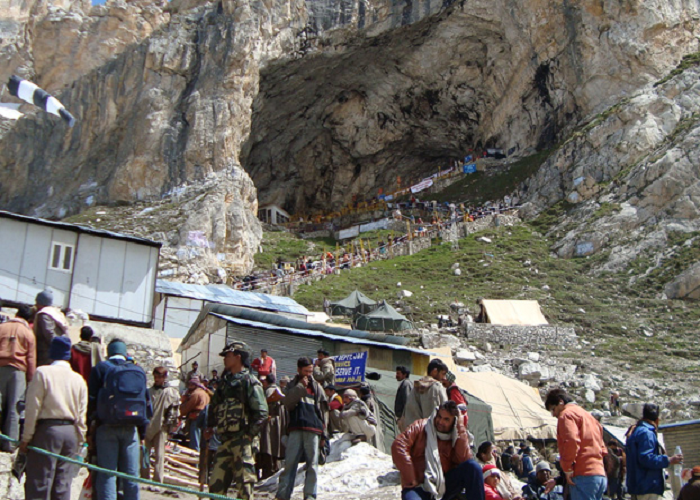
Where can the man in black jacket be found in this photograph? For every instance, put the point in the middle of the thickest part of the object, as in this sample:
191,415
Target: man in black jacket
306,403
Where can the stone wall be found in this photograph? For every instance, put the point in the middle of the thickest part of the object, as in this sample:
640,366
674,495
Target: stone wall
325,233
521,335
150,348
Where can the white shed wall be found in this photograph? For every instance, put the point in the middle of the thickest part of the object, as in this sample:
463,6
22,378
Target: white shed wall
114,278
24,267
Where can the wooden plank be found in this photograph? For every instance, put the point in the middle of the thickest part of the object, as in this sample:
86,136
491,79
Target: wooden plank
167,479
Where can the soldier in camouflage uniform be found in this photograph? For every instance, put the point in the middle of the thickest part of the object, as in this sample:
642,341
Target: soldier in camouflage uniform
237,411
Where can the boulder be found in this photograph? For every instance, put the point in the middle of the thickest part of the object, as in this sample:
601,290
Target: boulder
591,382
686,285
589,396
533,356
464,355
597,414
530,371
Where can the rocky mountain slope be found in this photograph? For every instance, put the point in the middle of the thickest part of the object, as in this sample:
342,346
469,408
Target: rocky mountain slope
321,101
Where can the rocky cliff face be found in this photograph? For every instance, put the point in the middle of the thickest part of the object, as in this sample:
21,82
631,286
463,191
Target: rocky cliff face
53,43
628,181
318,100
405,92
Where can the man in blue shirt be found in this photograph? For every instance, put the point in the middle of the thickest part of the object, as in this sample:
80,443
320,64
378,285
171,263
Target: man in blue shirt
645,457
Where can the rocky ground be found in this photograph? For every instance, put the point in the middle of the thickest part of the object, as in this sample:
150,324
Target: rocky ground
206,236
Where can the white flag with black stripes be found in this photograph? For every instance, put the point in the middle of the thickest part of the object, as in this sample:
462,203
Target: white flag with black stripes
31,93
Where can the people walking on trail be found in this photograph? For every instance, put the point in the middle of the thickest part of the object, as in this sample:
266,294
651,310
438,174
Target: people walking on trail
273,429
85,354
427,393
165,401
402,394
434,459
55,416
237,412
581,446
646,460
49,322
193,402
119,409
17,367
306,403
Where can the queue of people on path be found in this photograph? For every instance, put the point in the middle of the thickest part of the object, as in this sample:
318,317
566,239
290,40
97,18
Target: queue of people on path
437,218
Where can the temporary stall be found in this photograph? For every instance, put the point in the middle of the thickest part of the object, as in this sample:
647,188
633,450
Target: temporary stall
288,339
354,303
514,312
685,434
517,409
178,304
383,319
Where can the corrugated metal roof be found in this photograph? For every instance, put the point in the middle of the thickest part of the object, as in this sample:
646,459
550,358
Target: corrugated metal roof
276,320
679,424
316,333
223,294
76,228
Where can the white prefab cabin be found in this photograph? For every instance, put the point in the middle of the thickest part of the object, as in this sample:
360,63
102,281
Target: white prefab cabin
273,214
108,275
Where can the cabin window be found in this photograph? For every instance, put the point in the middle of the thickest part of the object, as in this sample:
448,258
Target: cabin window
61,257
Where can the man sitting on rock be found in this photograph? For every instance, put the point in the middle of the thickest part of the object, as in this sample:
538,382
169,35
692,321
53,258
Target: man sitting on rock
434,458
357,418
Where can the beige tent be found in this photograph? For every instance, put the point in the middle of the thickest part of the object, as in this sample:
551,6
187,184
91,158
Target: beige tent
517,409
514,312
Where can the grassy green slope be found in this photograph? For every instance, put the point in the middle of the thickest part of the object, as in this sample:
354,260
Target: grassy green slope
603,312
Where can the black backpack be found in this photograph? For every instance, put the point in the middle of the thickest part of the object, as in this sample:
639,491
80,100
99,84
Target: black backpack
123,397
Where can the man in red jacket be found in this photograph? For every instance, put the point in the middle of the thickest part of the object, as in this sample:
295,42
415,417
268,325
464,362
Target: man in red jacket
434,458
85,354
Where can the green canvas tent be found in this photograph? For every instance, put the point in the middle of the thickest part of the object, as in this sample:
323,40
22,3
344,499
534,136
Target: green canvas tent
383,319
480,421
354,303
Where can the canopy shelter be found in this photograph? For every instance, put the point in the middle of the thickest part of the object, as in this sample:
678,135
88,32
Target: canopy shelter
517,409
480,423
355,303
514,312
383,319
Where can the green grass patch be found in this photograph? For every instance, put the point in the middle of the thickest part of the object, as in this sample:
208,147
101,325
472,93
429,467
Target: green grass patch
605,209
549,218
289,247
688,61
480,187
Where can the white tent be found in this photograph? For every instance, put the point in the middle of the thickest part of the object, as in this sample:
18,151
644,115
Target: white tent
517,409
514,312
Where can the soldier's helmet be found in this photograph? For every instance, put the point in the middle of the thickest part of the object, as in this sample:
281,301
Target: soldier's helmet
235,346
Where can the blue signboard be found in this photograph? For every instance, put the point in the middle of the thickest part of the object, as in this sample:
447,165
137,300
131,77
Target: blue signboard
350,368
468,158
470,168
